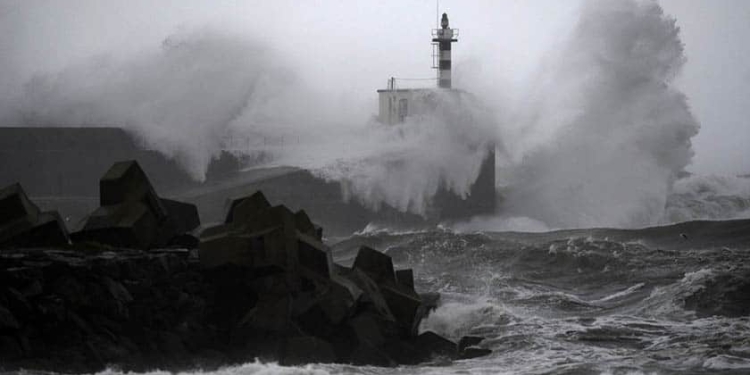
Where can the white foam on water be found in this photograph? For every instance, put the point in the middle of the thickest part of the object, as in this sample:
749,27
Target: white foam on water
252,368
457,319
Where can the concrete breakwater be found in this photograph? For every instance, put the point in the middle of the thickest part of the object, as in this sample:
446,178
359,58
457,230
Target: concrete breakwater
141,285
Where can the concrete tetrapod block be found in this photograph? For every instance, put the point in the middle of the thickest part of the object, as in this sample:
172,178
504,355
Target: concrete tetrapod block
242,209
371,328
280,249
305,225
280,243
405,278
15,205
366,354
404,305
321,311
375,264
371,294
125,181
22,225
467,341
304,350
318,232
271,314
276,216
314,256
181,218
340,300
225,249
472,352
130,225
433,345
468,350
266,249
49,230
183,215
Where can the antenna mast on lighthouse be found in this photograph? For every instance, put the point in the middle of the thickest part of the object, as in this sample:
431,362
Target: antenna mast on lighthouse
443,38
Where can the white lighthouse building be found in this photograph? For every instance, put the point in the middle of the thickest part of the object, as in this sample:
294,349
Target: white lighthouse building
396,104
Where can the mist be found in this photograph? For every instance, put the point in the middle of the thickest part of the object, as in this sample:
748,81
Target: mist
605,132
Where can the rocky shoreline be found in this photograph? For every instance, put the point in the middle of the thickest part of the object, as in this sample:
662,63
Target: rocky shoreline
142,286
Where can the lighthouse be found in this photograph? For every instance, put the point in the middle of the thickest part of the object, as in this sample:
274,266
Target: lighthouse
443,38
398,104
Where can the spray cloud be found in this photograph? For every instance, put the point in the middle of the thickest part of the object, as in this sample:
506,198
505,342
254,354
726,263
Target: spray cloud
179,99
605,133
203,91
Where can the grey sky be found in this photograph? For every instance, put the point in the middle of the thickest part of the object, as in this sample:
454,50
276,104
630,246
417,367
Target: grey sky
349,48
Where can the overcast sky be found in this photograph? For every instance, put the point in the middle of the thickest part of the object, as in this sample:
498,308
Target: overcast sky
349,48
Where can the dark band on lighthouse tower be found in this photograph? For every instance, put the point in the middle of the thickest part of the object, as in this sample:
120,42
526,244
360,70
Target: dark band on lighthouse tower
444,37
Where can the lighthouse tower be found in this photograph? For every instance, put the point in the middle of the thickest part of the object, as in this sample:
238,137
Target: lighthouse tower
397,104
443,38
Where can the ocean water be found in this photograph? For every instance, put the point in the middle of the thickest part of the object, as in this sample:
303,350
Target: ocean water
664,300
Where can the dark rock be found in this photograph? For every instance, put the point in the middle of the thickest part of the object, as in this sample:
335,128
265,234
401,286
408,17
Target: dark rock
119,295
269,314
10,349
339,298
181,218
375,264
171,345
321,312
125,182
23,226
367,354
73,291
276,216
404,305
403,351
131,215
15,205
306,349
8,322
405,278
371,328
469,353
433,345
319,232
305,225
52,308
48,231
129,225
16,302
467,349
468,341
401,301
184,241
273,284
371,298
224,249
22,278
243,209
314,256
